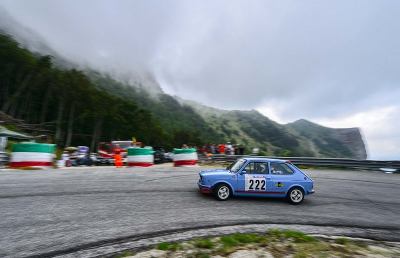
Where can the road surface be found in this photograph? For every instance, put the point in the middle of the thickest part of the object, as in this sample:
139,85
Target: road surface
56,212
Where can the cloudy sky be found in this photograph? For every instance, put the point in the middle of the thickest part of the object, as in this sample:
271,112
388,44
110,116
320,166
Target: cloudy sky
333,62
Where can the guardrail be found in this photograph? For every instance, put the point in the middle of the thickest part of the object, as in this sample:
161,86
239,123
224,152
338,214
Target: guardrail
319,162
390,165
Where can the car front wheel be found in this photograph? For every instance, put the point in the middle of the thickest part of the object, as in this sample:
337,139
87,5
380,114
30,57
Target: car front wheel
295,195
222,192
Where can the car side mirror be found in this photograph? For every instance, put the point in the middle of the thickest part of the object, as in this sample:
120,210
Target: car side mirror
242,172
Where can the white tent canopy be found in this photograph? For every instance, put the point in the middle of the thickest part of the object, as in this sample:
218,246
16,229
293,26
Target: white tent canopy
4,132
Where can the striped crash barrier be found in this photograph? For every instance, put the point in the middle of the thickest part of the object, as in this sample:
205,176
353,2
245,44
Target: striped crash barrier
140,157
185,157
30,154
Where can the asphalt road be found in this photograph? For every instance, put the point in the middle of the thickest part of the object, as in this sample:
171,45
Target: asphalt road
53,212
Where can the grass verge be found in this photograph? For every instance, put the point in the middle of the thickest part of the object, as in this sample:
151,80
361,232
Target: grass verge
276,243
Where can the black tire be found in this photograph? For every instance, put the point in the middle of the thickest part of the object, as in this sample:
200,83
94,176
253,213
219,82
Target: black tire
222,192
295,195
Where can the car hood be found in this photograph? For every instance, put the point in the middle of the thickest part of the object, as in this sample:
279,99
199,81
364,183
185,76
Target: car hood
215,172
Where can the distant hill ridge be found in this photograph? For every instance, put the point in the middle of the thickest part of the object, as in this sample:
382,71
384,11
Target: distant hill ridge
299,138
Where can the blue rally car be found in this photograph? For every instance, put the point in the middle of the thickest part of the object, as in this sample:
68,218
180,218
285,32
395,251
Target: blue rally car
257,177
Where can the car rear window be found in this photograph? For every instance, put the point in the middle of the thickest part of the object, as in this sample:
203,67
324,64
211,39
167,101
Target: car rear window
281,169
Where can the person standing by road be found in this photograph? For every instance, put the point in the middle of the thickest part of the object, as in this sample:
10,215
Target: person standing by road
229,148
241,149
117,157
221,148
213,149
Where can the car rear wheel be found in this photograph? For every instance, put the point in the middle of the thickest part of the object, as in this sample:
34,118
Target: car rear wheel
222,192
295,195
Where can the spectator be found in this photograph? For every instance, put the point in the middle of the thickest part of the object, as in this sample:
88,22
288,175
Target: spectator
65,159
213,150
117,156
241,150
221,148
229,149
236,149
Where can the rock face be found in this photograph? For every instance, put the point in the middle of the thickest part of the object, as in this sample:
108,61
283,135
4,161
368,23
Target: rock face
331,142
352,138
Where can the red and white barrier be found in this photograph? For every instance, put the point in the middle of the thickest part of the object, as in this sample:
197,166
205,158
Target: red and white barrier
140,157
185,157
29,154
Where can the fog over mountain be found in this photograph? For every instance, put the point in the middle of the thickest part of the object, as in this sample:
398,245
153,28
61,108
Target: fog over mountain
333,62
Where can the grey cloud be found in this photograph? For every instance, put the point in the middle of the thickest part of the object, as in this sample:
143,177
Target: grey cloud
315,58
312,59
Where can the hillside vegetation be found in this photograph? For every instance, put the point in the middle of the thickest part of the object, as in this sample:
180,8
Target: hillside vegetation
85,107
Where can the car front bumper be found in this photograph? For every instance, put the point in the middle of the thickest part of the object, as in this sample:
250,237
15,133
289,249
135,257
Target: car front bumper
204,189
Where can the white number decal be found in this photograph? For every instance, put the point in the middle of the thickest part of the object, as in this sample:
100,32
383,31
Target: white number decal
255,183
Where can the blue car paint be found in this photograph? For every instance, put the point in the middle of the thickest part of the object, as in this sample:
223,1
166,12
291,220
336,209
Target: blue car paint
275,185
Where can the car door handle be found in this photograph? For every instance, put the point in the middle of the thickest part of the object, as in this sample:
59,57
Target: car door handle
268,178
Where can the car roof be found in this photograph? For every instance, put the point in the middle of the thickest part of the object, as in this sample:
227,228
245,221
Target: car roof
264,159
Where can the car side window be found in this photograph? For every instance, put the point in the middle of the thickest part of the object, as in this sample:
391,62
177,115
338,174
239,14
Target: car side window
256,168
281,169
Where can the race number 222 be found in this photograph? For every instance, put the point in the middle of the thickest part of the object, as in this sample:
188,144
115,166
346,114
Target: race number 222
255,184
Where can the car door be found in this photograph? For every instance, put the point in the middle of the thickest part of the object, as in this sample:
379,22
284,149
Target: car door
253,179
281,177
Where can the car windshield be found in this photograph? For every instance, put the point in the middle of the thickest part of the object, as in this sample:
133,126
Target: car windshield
234,167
